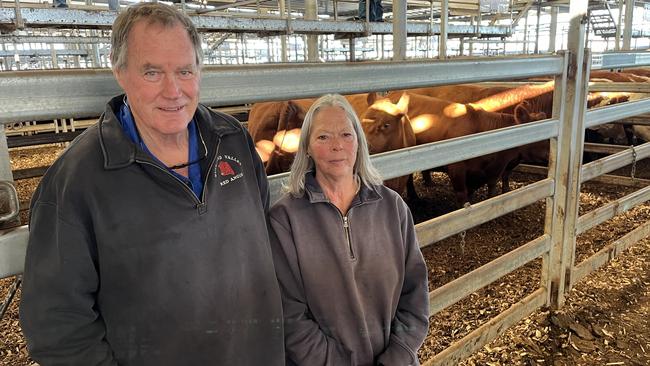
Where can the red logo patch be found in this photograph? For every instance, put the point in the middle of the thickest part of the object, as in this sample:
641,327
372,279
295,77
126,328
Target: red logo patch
225,169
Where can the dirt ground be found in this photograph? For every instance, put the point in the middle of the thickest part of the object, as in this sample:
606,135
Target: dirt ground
605,320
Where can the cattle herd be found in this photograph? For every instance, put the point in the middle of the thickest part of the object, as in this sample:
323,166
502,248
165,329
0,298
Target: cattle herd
412,117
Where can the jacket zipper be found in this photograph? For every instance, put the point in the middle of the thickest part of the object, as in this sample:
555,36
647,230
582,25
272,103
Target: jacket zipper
200,204
346,229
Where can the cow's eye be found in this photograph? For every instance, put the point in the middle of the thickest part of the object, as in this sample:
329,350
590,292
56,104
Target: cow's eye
385,126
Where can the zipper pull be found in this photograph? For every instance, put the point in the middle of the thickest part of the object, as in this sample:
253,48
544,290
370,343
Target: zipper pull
202,208
345,222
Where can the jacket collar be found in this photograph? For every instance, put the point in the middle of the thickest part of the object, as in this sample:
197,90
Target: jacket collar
315,193
119,151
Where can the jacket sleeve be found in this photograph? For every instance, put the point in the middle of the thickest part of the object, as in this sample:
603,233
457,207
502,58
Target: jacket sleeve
58,310
411,322
262,180
305,341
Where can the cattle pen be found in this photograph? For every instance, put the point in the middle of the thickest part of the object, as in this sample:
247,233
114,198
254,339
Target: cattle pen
22,98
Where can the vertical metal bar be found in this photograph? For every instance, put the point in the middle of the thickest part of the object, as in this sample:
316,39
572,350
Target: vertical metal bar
553,225
444,18
526,32
553,30
311,13
617,43
569,157
283,38
539,10
399,30
5,164
627,30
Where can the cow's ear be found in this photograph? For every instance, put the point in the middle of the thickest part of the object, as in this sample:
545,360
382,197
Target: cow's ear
522,115
372,98
403,104
292,115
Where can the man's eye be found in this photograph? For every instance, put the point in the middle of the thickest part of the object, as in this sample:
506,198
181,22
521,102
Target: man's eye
152,75
186,74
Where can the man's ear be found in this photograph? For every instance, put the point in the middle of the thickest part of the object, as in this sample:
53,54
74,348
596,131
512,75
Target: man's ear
119,76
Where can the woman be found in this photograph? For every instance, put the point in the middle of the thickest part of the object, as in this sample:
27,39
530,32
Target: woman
354,283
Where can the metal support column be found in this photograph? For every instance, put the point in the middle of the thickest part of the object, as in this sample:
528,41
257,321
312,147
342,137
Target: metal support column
627,30
553,30
539,13
444,17
311,13
283,38
619,25
570,148
399,30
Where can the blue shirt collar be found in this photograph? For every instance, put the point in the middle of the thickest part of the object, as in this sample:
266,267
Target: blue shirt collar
194,181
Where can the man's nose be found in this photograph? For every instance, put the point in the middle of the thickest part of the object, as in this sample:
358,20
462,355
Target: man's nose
171,87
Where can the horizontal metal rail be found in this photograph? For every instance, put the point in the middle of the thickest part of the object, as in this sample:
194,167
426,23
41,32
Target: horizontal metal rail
615,60
604,148
610,252
603,179
23,97
44,52
103,19
598,116
441,153
42,139
438,228
454,291
611,209
613,162
458,351
620,87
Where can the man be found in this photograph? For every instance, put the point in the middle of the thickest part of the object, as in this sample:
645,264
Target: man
148,242
376,10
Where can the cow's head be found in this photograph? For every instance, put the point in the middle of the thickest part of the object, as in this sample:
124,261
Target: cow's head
382,123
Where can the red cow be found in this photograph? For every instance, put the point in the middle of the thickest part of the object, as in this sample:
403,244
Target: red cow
433,120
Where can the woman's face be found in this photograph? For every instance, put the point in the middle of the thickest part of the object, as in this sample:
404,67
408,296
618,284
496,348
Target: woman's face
333,143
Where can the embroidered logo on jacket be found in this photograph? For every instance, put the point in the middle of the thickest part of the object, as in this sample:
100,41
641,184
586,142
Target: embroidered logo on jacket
225,169
228,169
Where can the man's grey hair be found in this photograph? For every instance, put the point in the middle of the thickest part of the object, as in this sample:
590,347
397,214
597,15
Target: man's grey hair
303,163
154,13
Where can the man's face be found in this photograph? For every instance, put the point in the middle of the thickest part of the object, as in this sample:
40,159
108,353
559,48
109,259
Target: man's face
161,78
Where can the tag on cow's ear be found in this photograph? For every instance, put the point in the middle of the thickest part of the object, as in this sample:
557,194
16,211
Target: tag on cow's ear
403,104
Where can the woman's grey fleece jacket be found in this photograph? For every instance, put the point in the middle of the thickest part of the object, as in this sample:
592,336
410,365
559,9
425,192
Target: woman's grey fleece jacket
354,295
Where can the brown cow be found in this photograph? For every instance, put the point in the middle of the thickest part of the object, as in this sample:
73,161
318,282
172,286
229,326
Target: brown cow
644,71
275,128
617,76
431,120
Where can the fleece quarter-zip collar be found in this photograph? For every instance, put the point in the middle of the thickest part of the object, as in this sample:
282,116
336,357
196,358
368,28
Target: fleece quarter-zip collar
315,193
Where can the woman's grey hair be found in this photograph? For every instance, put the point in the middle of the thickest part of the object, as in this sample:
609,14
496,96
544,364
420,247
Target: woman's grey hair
154,13
303,163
